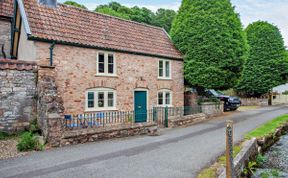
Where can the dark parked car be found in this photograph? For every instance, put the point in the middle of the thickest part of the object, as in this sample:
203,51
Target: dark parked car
231,103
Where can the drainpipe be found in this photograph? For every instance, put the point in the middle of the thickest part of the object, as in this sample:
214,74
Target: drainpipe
51,53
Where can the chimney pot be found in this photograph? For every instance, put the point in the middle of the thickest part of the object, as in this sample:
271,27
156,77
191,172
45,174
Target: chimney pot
50,3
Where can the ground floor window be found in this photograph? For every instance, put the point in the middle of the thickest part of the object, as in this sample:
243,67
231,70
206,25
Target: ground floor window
98,99
164,98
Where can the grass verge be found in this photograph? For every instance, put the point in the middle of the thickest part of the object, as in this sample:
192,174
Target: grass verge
268,127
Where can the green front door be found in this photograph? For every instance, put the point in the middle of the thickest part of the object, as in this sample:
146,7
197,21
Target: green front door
140,106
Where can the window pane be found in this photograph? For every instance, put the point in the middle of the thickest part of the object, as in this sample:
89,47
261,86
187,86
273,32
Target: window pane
110,99
90,100
101,99
101,63
167,98
160,68
110,68
110,64
101,57
160,98
110,58
167,68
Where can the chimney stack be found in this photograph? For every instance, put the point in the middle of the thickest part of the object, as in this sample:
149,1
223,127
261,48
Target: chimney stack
50,3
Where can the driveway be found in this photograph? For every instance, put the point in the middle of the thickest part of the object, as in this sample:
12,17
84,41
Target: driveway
180,152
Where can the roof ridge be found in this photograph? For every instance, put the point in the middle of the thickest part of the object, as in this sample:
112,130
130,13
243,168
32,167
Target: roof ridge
94,12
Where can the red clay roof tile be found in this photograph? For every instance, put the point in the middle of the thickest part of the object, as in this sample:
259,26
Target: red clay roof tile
74,25
6,8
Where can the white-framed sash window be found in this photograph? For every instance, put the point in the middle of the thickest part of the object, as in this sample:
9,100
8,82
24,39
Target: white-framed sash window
164,69
164,98
100,99
106,64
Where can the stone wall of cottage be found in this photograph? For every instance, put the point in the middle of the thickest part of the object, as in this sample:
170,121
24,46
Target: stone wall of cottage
75,70
5,35
17,95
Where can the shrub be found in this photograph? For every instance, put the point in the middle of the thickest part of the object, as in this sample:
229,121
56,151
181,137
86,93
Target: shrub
34,128
260,159
28,143
3,135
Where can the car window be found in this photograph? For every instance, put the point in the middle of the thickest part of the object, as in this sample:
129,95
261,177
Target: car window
220,93
214,93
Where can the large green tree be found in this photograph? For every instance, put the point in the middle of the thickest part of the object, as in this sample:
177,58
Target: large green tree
210,35
163,17
75,4
267,64
115,9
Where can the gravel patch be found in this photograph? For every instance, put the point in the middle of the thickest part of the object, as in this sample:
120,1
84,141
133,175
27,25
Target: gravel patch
8,149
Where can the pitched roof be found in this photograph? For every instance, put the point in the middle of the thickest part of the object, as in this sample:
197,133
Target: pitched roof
6,8
76,26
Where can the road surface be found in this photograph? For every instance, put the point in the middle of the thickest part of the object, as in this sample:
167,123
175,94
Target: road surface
180,152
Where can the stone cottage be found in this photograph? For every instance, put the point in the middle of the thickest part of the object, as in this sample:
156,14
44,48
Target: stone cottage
91,62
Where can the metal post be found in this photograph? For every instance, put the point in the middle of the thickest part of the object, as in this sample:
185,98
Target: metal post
166,117
229,150
51,53
154,114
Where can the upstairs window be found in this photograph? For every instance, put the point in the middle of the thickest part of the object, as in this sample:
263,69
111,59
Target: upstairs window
164,69
106,64
164,98
100,99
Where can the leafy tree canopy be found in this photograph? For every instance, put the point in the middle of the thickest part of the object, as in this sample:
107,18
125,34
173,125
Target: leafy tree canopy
75,4
162,18
267,64
210,35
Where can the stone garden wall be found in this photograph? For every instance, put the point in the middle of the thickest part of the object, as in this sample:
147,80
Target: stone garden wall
178,121
17,94
254,101
57,135
95,134
212,109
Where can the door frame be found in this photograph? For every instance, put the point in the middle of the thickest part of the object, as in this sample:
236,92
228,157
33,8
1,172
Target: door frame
147,100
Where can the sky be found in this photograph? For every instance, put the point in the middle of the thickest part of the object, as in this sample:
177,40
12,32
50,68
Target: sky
273,11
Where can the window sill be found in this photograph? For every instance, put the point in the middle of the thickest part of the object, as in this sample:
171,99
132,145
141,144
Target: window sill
101,110
164,106
160,78
106,75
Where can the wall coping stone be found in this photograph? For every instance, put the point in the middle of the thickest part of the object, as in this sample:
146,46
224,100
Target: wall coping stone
212,103
10,64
